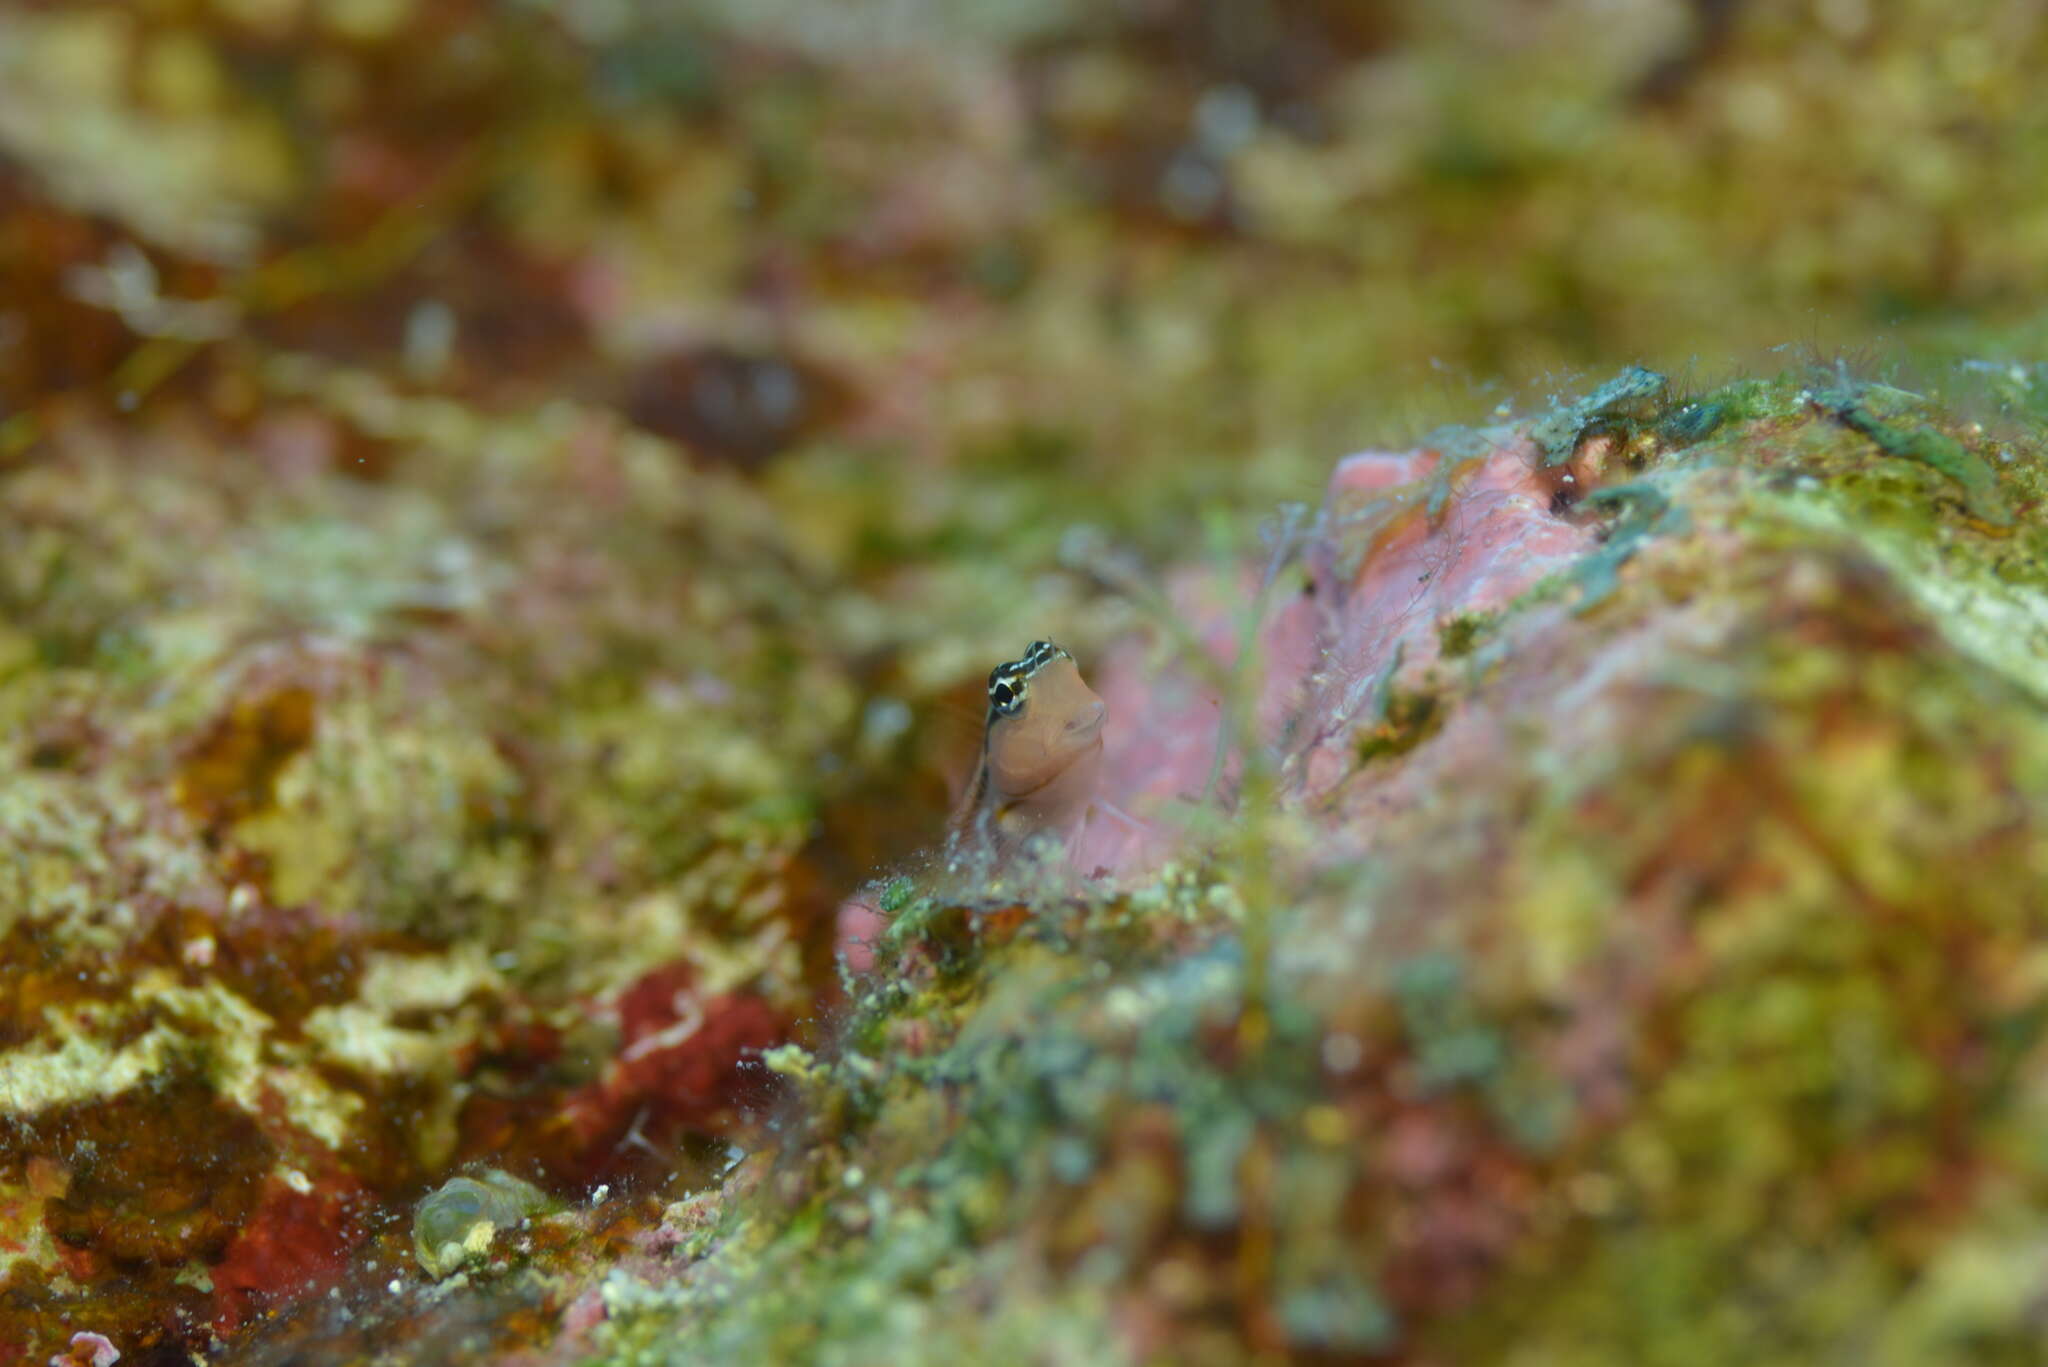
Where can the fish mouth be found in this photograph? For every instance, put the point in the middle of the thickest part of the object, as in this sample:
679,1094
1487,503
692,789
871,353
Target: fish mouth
1075,748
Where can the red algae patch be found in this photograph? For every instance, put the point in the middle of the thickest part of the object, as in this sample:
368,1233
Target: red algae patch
688,1061
296,1242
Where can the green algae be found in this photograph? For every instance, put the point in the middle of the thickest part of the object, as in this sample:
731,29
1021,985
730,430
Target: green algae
1939,452
1402,720
1644,511
1460,635
1557,432
1693,421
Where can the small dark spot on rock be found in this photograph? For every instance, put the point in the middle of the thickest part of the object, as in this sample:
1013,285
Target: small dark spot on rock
735,407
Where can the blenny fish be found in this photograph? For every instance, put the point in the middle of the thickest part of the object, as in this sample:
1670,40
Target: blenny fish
1041,753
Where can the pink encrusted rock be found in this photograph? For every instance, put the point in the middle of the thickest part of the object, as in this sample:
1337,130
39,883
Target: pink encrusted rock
1404,543
1160,744
858,926
1369,472
1493,538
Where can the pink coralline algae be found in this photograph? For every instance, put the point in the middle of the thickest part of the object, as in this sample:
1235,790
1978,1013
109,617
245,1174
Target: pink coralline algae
1405,542
858,926
1494,536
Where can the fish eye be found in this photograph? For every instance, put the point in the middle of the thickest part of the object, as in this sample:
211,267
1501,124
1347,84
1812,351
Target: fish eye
1005,694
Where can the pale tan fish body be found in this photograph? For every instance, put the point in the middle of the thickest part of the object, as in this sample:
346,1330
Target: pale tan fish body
1041,752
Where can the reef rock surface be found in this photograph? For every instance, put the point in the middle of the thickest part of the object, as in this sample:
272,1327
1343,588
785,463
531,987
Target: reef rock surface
1587,911
1575,899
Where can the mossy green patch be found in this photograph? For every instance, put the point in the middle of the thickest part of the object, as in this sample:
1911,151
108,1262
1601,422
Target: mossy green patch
1934,449
1642,510
1557,431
